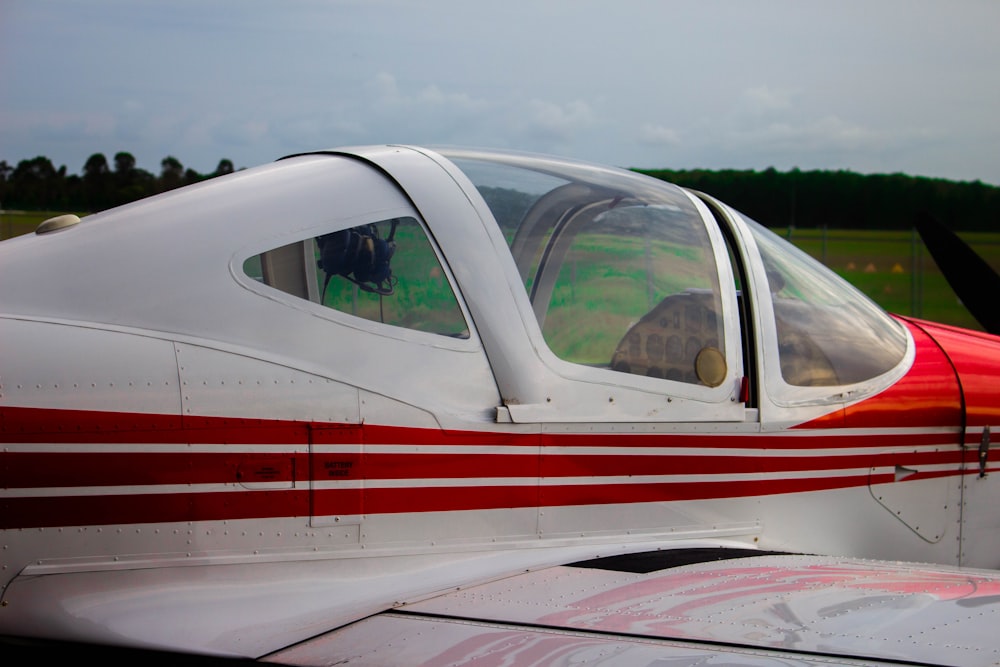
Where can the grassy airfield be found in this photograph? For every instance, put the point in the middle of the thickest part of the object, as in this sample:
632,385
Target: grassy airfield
15,223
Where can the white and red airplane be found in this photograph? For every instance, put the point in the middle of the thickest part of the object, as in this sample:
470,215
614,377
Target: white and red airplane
388,405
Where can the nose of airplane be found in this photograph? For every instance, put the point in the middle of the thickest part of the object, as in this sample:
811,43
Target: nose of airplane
975,356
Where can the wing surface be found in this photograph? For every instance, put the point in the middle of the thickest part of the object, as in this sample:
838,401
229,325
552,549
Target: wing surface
766,610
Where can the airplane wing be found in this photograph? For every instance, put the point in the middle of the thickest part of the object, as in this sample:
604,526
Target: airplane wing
678,607
763,610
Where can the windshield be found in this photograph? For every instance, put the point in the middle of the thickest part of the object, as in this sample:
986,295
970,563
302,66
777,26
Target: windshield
829,333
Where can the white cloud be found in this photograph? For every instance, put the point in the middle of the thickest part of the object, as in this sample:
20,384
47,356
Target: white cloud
764,99
576,114
383,89
241,132
434,96
829,132
659,135
61,124
386,93
550,123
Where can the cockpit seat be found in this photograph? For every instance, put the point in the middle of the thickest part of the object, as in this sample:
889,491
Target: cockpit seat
669,341
803,360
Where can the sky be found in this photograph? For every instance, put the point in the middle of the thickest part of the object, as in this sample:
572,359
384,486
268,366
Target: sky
872,86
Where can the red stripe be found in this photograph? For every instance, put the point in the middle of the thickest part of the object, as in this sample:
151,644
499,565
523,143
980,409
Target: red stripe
25,470
649,493
610,464
52,469
110,468
244,504
37,425
760,441
151,508
375,434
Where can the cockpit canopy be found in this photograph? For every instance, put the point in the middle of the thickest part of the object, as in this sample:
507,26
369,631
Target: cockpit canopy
626,273
622,272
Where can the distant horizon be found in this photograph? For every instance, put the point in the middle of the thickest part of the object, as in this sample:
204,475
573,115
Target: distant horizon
155,172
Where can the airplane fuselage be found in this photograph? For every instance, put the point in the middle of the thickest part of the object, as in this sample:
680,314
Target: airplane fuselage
183,415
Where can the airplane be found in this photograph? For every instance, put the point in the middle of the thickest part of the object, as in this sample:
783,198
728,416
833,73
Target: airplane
402,405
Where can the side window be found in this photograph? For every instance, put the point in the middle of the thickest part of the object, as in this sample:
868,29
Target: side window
638,291
620,272
384,271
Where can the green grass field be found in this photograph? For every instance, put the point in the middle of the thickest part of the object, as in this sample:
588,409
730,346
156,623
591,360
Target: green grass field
15,223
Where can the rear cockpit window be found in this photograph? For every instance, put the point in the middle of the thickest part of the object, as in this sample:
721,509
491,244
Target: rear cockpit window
621,274
384,271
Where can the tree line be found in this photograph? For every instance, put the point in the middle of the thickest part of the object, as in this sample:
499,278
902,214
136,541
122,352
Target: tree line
836,199
37,185
845,199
